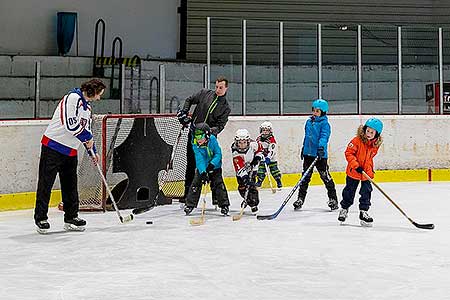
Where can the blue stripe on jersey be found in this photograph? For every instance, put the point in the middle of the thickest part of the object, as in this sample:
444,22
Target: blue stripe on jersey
84,135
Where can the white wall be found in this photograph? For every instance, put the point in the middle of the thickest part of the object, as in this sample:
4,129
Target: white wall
147,28
410,142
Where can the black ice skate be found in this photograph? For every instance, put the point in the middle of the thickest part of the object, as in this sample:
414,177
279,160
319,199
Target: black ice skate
75,224
365,219
333,204
298,204
343,215
224,210
254,209
188,210
42,226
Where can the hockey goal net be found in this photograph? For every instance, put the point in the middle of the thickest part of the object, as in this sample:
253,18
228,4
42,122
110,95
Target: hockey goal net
111,131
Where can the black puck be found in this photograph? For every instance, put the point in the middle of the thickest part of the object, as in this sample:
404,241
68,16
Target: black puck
149,222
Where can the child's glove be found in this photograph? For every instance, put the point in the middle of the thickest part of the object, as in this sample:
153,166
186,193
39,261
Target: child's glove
255,161
210,168
267,160
204,177
245,179
359,170
320,152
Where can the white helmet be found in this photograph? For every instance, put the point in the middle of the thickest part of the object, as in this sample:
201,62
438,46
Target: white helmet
265,125
242,134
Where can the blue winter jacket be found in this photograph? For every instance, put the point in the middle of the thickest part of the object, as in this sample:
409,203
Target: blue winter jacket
317,134
210,153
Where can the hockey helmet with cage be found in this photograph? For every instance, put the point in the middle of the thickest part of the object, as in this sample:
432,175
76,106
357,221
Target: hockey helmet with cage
202,131
242,135
320,104
266,125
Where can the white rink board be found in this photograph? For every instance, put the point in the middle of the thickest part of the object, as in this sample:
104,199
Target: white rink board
299,255
410,142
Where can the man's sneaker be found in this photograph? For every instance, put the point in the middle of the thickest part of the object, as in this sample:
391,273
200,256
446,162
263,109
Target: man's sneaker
188,210
279,183
365,219
298,204
224,210
42,226
333,204
75,224
254,209
343,215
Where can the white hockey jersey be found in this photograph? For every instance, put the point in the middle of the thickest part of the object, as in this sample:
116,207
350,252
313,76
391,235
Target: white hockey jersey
243,158
70,124
270,147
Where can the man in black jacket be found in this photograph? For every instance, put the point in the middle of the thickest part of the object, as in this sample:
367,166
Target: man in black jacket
213,109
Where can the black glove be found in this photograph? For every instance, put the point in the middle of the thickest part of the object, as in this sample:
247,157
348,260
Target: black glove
214,131
320,152
255,161
359,170
245,180
204,177
301,153
183,117
210,168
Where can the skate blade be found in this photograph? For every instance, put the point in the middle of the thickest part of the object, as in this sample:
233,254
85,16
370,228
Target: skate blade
366,224
71,227
41,231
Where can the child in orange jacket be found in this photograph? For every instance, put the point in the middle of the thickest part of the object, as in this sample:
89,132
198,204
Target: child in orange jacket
359,155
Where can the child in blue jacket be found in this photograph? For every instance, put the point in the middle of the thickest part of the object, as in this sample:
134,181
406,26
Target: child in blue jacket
315,144
208,159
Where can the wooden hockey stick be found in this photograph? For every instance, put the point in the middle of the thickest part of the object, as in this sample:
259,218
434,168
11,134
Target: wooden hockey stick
241,212
201,220
122,219
421,226
270,179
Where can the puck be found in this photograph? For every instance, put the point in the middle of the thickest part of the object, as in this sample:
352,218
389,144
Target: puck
149,222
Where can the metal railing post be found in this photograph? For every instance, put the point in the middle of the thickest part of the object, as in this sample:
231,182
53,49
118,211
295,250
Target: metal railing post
37,89
162,89
280,83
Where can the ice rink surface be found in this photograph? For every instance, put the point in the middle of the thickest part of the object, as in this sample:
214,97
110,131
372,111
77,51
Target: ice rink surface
303,254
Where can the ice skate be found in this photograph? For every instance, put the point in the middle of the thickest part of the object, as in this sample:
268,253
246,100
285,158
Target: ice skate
188,210
42,226
365,219
343,215
333,204
75,224
254,209
224,210
298,204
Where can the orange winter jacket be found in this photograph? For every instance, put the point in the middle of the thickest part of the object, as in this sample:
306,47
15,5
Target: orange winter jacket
360,152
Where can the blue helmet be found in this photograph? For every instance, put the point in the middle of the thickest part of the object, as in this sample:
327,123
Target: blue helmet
375,124
320,104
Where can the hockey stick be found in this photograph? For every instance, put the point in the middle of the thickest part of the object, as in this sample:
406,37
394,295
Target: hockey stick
122,219
169,166
275,214
270,179
201,220
421,226
241,212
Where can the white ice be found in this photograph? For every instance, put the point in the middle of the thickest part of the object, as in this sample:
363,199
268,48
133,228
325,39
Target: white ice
303,254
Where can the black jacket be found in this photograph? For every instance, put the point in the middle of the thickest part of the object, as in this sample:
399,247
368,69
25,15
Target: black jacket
219,112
